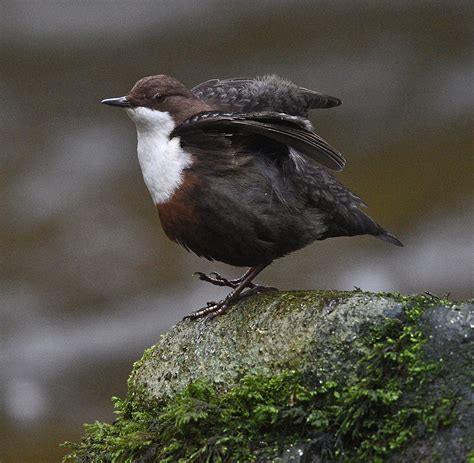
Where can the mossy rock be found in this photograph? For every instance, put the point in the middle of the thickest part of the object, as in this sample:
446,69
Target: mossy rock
304,376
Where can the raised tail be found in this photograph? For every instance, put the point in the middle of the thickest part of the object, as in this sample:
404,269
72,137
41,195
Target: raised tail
355,223
386,236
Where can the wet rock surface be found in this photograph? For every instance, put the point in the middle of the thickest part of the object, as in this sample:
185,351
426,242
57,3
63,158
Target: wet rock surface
302,330
449,332
378,377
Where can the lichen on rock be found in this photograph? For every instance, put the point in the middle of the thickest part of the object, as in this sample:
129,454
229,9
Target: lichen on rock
301,376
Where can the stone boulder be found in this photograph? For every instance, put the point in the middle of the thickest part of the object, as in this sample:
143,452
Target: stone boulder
301,376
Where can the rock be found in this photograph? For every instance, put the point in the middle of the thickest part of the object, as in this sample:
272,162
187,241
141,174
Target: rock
301,376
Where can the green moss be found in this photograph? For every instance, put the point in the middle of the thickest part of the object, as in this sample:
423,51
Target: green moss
265,334
368,418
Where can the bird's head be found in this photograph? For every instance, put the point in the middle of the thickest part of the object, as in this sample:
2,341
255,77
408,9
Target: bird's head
153,97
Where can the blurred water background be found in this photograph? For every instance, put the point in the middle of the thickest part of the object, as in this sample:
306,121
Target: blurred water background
88,279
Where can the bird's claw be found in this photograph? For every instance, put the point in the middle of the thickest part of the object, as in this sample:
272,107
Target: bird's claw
211,310
201,275
214,309
215,279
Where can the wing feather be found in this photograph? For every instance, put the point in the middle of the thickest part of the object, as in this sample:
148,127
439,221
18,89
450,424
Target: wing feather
268,93
288,130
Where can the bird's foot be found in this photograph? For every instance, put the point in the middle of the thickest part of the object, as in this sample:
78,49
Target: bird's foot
213,309
215,279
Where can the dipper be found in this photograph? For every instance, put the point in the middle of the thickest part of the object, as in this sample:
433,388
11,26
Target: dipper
238,175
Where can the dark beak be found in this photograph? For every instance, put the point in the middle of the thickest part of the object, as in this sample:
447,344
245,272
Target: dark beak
121,102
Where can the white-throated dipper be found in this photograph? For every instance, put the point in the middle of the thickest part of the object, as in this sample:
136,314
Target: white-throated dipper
238,174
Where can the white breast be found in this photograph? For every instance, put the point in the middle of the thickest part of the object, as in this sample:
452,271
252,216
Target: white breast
162,159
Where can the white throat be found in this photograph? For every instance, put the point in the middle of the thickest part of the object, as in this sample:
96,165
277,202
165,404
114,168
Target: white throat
162,160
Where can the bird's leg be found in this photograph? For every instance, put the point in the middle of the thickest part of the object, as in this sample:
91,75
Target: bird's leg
236,295
215,279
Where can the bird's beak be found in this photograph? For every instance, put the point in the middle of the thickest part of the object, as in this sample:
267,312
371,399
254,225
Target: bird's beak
121,102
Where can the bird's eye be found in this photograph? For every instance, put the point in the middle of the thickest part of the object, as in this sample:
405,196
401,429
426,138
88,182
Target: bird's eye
159,98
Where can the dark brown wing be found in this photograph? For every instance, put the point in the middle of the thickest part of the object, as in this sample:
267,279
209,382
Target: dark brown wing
288,130
268,93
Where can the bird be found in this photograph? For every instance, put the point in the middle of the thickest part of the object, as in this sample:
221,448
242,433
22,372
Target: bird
238,174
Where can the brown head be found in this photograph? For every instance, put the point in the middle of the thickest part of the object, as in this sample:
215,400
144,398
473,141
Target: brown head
161,93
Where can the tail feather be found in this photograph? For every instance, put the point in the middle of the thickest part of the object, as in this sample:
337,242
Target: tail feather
386,236
358,223
367,225
318,100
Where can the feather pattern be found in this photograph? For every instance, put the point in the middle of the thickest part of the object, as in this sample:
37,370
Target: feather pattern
282,128
267,93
